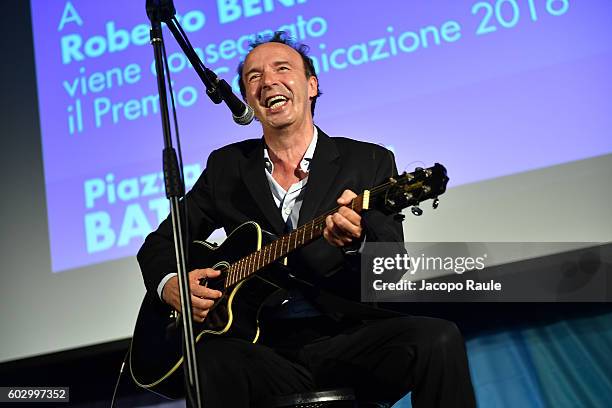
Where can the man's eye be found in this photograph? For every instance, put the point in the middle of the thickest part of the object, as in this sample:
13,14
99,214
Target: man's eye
253,78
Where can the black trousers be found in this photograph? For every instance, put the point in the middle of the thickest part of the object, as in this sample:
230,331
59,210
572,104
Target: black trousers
382,360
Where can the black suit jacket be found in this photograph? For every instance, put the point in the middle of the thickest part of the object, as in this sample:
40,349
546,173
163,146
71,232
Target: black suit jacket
233,189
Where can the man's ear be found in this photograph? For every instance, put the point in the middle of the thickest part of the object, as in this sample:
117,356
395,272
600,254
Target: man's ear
312,86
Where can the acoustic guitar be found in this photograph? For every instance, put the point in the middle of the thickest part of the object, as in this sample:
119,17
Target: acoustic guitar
245,259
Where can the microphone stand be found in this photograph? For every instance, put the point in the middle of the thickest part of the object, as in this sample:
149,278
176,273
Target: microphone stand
160,11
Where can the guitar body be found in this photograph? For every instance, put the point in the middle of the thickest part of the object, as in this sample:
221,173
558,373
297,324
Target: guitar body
156,354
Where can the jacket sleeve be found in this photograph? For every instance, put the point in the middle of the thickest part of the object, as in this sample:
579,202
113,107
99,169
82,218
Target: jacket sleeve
342,273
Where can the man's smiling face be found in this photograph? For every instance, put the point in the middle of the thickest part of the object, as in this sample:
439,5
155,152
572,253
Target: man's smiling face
277,87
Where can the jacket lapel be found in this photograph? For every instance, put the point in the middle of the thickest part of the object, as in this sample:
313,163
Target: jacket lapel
252,169
324,167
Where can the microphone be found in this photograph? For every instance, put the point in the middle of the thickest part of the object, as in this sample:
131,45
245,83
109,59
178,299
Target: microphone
242,113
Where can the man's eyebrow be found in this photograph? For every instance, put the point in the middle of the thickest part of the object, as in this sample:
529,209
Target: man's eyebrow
282,62
275,63
250,71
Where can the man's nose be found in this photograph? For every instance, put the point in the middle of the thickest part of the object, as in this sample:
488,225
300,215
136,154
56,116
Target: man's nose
269,78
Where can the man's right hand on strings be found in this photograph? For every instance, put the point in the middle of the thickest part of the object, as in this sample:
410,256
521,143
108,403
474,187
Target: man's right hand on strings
202,298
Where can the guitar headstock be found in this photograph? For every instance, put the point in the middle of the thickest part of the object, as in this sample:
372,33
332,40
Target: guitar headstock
410,189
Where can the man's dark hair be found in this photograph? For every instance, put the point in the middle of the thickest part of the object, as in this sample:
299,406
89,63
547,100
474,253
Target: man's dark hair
283,38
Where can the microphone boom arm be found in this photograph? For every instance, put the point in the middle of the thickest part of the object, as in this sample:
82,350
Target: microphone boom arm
208,77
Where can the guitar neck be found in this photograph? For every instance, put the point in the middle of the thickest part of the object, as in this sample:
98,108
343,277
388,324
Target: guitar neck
287,243
390,197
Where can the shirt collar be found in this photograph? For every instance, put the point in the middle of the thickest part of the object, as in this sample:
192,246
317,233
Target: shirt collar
304,164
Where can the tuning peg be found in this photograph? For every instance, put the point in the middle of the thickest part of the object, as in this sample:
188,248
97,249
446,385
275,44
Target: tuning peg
435,203
416,210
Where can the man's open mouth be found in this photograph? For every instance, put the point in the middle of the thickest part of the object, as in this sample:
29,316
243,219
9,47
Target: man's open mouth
276,101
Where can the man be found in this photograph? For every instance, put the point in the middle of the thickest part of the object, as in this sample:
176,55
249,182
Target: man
315,338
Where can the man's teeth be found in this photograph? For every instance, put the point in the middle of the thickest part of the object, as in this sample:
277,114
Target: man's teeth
276,101
277,104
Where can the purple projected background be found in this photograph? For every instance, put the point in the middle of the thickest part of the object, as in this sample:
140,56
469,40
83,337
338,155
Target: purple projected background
488,88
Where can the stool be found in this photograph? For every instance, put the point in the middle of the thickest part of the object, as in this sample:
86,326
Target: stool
334,398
